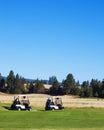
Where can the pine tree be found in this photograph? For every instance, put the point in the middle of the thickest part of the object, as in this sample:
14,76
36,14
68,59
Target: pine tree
54,90
95,84
69,84
10,82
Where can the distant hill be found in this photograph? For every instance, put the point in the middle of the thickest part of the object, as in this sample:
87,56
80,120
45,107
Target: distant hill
32,80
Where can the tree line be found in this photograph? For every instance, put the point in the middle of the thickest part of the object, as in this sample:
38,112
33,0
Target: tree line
15,84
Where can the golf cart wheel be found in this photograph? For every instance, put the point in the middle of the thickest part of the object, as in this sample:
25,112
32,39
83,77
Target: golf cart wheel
19,109
52,108
29,109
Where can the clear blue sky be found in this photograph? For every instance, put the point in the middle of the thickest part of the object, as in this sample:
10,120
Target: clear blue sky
42,38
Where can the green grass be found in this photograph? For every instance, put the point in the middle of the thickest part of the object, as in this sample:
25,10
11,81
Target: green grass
69,119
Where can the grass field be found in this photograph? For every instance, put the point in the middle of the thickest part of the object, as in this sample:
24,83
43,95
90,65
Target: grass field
68,119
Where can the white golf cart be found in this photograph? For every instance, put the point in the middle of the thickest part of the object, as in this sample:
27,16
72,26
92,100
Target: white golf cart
54,105
21,103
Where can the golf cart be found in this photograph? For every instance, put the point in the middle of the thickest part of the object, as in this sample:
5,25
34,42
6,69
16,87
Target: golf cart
54,105
21,103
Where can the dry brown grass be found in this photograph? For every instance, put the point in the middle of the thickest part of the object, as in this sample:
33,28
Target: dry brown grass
68,100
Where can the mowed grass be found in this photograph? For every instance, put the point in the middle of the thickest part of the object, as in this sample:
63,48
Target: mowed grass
68,119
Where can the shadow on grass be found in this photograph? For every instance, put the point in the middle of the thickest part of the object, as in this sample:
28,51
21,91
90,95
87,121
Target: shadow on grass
41,110
6,107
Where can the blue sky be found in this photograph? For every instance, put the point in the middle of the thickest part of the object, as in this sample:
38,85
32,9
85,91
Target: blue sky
42,38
